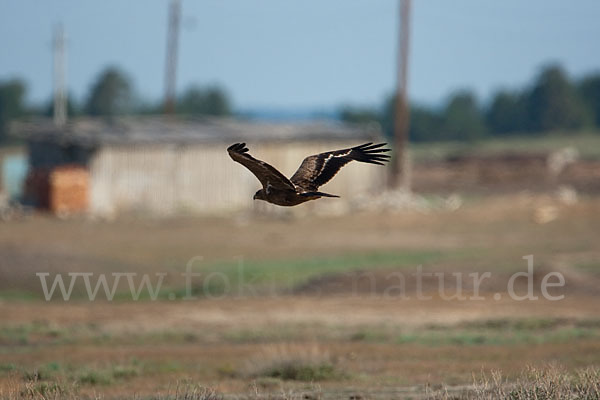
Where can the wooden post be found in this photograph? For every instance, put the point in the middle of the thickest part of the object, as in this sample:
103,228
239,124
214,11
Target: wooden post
171,60
399,174
60,66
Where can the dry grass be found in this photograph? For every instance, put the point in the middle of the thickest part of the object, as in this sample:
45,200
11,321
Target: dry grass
492,234
35,390
297,362
295,344
551,382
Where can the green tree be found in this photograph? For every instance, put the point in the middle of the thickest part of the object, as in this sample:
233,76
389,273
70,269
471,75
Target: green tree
589,90
204,101
359,115
462,119
387,116
72,108
12,94
425,124
507,113
110,95
554,104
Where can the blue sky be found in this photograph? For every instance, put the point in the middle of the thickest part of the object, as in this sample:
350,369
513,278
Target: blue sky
302,53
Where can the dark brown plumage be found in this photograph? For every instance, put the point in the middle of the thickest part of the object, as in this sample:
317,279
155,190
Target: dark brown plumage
313,172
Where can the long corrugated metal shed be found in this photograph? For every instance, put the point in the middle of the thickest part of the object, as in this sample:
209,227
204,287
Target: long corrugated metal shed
177,130
167,165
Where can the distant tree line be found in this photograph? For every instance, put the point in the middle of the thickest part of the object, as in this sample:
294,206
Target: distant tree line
12,95
552,103
111,94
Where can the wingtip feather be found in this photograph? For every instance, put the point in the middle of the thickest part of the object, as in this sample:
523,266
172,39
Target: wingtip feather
372,153
238,148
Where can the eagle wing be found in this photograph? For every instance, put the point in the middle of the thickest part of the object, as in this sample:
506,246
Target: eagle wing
266,174
319,169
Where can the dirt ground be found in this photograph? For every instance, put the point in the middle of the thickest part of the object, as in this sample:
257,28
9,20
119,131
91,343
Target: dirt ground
332,317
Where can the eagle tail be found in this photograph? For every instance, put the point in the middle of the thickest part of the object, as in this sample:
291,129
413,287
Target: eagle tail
318,194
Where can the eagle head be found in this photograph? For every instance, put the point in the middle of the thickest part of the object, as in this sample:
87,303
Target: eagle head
260,195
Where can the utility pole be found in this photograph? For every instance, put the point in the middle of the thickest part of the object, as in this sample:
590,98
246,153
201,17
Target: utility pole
60,66
400,168
171,61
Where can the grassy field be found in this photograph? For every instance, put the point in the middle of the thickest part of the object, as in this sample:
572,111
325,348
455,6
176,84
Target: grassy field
306,308
586,143
321,308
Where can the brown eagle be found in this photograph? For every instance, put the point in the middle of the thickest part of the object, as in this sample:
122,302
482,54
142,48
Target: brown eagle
313,172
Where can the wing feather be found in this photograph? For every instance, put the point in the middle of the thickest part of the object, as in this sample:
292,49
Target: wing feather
266,174
318,169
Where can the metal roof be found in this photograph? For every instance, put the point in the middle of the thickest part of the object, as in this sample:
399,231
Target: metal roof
178,130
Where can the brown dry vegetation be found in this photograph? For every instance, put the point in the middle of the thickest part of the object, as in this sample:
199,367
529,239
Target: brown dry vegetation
316,317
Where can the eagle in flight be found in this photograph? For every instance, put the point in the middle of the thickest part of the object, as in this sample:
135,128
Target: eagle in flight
313,172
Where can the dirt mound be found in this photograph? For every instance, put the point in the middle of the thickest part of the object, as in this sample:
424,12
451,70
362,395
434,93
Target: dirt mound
448,283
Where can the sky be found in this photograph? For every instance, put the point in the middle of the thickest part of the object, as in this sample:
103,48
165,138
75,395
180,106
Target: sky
290,54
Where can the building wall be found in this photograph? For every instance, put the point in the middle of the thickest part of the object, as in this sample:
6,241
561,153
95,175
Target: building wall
48,154
168,179
13,171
